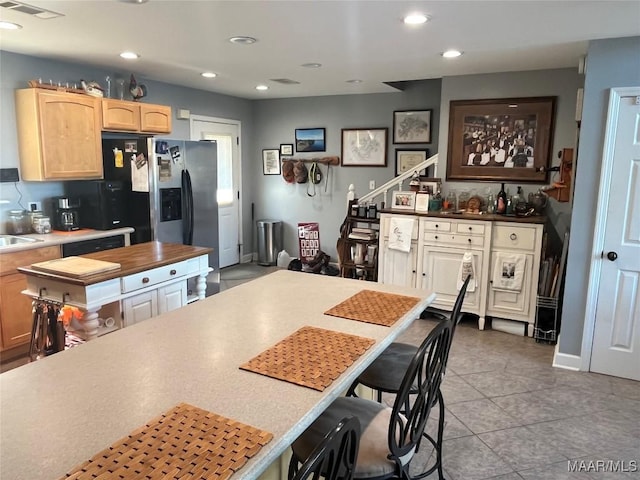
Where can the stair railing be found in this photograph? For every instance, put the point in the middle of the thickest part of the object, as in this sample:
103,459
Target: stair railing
397,181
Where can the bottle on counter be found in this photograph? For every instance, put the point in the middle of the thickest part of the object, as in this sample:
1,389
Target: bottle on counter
450,202
491,203
501,201
463,198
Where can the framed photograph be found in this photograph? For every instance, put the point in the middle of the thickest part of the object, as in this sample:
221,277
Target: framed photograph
310,140
407,159
422,202
271,161
412,126
286,149
430,185
364,147
503,140
402,200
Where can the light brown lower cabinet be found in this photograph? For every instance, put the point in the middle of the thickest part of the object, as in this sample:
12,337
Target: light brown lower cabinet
15,308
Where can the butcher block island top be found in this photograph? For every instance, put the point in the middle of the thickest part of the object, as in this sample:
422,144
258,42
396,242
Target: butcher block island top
133,259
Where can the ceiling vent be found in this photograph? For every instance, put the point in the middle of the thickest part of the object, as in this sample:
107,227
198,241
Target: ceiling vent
30,10
285,81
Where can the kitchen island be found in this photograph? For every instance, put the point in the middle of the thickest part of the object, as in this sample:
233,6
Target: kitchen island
60,411
152,279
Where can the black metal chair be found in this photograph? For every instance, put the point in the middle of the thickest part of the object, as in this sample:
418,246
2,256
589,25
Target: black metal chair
386,372
334,457
390,436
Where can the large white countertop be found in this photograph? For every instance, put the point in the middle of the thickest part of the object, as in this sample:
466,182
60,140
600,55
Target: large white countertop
58,238
58,412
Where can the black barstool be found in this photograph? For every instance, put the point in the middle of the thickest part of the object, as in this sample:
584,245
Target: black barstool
384,375
335,457
390,436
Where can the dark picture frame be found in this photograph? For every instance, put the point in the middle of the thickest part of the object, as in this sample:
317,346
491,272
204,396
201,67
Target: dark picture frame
501,140
408,158
286,149
310,140
271,161
364,147
412,126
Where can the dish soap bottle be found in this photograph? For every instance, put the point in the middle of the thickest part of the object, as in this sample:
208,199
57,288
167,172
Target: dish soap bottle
501,201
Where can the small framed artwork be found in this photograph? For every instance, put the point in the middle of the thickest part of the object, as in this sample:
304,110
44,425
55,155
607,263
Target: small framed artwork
412,126
310,140
407,159
430,185
271,161
286,149
422,202
364,147
403,200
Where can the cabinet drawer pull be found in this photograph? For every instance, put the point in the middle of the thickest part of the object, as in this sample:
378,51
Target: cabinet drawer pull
145,280
469,240
513,236
470,228
172,272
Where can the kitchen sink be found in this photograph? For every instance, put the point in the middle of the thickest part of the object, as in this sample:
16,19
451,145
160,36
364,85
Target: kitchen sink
6,240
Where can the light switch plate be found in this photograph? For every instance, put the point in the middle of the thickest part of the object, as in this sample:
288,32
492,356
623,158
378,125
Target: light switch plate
372,184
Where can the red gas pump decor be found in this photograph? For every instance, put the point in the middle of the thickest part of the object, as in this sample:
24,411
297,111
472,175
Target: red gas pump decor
308,241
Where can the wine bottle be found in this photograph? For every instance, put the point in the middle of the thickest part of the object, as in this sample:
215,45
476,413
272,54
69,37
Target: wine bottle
501,203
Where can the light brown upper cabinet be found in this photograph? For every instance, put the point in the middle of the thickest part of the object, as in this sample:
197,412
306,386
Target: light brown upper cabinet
58,135
120,115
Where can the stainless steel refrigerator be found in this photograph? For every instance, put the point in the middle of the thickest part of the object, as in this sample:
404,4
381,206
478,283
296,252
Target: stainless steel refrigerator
182,192
169,191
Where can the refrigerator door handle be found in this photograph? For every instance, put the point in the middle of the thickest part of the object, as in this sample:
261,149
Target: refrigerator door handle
187,219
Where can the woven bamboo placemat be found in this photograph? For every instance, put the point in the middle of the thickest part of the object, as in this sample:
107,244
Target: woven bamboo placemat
374,307
311,357
185,442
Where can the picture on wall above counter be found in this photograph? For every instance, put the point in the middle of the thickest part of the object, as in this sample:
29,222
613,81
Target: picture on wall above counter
364,147
310,140
412,126
407,159
502,140
286,149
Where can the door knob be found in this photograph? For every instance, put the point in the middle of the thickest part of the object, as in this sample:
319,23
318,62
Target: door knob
612,256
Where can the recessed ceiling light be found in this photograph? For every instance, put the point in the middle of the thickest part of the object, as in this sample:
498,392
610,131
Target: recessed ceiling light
262,87
129,55
10,26
513,105
311,65
355,80
138,2
208,75
452,53
415,19
243,40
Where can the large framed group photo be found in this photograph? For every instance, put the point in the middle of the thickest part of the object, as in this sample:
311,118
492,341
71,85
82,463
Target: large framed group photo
503,140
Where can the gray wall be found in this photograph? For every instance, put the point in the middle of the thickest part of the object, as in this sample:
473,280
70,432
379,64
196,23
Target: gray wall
276,121
16,70
610,63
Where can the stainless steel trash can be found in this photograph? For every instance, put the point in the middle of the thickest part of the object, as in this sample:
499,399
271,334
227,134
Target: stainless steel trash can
269,241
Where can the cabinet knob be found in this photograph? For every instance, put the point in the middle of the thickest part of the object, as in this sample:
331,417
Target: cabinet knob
172,272
413,271
436,237
424,274
469,240
437,225
470,228
145,280
513,236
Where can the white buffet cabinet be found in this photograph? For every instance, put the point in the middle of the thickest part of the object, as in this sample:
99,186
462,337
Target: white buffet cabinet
438,245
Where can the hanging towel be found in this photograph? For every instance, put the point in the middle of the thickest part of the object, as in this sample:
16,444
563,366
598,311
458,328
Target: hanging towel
508,271
467,267
400,230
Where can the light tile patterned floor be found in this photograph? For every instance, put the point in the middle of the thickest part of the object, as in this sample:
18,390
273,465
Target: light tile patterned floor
511,415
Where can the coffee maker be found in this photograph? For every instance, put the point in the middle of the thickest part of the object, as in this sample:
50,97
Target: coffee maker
66,216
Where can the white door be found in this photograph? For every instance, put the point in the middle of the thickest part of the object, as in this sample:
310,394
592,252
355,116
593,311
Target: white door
227,134
616,339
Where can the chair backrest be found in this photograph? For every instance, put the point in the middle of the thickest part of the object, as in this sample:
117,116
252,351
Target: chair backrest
456,314
417,394
335,457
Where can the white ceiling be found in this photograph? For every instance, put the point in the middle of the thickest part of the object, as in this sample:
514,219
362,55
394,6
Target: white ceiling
365,40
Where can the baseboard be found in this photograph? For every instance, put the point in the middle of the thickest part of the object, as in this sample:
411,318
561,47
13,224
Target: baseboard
248,258
565,360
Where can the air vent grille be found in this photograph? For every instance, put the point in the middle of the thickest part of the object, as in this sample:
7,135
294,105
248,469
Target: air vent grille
285,81
31,10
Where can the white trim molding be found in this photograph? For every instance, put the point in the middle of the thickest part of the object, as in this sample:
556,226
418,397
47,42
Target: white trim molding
566,361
